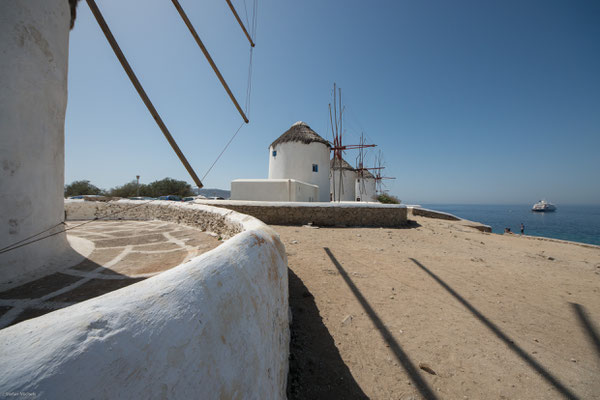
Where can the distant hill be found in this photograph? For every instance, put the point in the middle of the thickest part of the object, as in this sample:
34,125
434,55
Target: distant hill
213,192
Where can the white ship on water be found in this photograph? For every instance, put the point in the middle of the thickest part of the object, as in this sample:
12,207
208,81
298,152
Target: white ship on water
543,206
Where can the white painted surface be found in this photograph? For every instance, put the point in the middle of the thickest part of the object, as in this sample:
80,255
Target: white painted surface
342,204
347,193
294,160
215,327
273,190
83,247
365,189
75,252
34,39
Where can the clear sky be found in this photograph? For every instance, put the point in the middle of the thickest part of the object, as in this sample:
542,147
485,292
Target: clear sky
470,101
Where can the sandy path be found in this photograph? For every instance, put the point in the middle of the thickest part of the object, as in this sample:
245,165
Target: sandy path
493,316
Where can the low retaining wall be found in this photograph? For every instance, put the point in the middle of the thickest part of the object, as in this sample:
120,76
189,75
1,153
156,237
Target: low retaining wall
424,212
214,327
321,214
205,218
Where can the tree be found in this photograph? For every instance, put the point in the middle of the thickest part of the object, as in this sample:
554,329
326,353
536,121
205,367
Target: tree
169,186
77,188
129,189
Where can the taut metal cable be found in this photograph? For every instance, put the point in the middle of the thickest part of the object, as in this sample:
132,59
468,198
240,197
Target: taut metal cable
138,86
223,151
20,243
29,237
187,22
246,12
121,57
249,83
237,17
13,247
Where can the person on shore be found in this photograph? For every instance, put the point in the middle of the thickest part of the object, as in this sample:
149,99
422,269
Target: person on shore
522,229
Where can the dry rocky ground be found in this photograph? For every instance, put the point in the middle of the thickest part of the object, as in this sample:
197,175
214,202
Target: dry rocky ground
435,310
439,310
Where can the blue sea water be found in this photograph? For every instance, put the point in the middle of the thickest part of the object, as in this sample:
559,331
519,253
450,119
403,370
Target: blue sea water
569,222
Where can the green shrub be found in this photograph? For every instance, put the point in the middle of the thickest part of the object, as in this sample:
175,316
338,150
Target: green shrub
388,199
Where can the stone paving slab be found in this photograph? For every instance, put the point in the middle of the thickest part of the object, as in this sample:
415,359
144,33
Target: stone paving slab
125,252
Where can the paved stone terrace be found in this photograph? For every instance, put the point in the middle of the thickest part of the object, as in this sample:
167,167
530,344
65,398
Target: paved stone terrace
124,252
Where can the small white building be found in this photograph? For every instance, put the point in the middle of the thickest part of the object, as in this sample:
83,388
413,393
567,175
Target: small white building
342,181
366,188
298,170
301,154
273,190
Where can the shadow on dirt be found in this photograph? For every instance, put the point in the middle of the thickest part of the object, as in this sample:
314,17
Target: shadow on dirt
317,370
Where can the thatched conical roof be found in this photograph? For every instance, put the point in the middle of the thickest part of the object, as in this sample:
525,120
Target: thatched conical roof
335,164
300,132
366,174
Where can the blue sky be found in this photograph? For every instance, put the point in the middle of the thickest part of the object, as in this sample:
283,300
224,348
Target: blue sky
469,101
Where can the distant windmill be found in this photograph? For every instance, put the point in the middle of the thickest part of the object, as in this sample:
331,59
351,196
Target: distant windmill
338,147
362,172
379,167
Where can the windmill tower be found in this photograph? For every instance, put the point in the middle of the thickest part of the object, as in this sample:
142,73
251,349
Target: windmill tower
340,185
32,119
302,154
379,167
365,188
345,175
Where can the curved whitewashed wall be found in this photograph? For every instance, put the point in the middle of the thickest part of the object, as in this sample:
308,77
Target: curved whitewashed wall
34,41
294,160
215,327
348,181
366,189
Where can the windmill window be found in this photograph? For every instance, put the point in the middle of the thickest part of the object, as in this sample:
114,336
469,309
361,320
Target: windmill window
274,153
315,168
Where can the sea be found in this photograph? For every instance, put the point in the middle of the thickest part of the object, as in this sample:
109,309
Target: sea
577,223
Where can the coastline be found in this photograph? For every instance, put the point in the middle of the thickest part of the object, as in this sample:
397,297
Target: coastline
547,239
431,213
375,310
574,223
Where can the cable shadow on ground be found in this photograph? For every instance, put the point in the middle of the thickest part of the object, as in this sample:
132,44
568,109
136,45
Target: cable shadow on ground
317,370
551,379
401,356
587,325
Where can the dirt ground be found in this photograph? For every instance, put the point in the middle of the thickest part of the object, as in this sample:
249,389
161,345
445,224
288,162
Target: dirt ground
439,310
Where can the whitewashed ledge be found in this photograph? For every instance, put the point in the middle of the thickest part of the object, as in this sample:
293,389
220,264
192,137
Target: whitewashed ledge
424,212
318,213
214,327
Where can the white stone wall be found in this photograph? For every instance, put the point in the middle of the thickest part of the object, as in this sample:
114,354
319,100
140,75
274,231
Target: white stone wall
273,190
320,214
304,191
294,160
215,327
349,185
34,42
365,189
